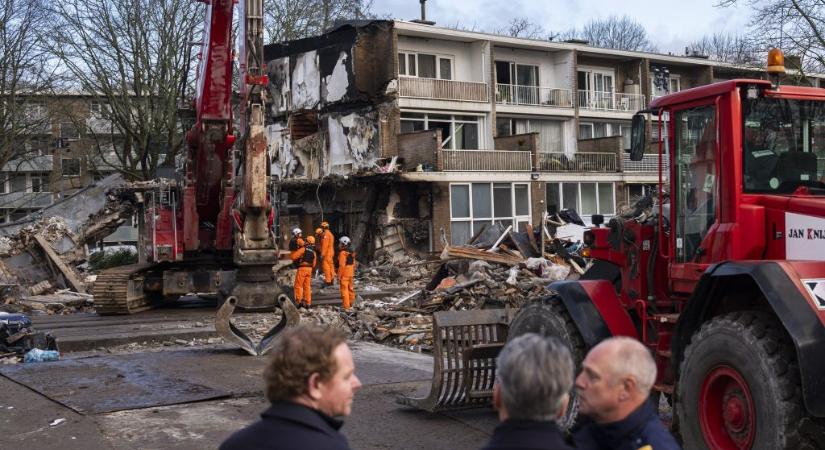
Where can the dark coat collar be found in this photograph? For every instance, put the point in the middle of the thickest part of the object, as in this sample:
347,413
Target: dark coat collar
304,415
513,433
616,431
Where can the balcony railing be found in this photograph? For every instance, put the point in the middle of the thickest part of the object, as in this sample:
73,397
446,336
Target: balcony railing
578,162
26,200
485,160
648,164
512,94
468,91
611,101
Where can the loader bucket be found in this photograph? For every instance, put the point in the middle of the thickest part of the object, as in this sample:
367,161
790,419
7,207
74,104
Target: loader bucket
465,347
227,330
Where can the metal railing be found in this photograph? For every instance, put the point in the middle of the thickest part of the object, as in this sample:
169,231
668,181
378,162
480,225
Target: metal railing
469,91
512,94
611,101
485,160
578,162
649,164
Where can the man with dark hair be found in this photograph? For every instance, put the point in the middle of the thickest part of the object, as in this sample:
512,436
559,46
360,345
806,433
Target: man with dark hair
534,375
310,381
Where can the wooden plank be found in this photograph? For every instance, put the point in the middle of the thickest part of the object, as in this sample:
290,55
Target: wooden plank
67,272
501,238
472,253
531,235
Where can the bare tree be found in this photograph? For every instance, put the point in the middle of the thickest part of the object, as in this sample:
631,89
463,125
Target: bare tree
25,81
130,55
732,48
286,20
620,33
796,26
522,27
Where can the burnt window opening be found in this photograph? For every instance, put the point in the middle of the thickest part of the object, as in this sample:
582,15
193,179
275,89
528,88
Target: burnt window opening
302,124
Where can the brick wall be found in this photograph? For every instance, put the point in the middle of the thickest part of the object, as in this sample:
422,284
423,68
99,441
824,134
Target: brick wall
419,147
526,142
612,144
441,214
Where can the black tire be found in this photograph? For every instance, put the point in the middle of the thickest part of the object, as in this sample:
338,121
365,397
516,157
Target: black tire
742,346
547,316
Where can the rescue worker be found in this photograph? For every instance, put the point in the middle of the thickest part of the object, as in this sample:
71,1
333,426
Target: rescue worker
346,272
328,252
306,259
319,246
295,244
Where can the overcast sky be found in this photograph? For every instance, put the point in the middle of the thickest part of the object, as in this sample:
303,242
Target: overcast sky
671,24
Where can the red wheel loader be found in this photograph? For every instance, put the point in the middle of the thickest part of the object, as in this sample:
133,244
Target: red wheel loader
723,278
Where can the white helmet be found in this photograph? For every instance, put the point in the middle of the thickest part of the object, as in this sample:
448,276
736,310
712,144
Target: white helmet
345,240
296,231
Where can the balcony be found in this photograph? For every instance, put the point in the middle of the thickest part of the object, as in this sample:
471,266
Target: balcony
25,200
485,161
611,101
578,162
99,125
431,88
511,94
648,164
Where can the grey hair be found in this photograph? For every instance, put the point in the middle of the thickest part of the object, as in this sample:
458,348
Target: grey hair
535,374
633,359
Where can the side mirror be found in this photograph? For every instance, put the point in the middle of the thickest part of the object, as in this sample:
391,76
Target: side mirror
637,137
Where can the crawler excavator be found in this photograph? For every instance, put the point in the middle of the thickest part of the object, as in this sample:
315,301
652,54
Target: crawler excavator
212,230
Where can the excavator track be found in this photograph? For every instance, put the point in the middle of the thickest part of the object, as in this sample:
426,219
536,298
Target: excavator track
119,290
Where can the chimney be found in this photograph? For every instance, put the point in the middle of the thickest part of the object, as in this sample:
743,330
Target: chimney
423,20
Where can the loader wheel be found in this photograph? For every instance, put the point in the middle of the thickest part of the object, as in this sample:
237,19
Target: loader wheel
547,316
739,388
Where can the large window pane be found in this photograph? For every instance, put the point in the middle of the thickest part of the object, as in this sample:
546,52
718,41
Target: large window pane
502,200
503,127
445,69
522,200
459,201
18,182
479,224
606,199
460,233
482,208
408,126
551,198
426,66
446,132
402,64
466,136
411,65
570,194
588,192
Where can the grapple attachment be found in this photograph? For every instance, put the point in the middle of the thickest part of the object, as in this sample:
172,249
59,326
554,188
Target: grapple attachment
465,347
227,330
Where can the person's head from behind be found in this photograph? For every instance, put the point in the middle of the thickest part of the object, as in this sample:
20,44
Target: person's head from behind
534,375
312,366
615,380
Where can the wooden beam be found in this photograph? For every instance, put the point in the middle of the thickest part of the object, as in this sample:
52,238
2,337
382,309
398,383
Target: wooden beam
67,272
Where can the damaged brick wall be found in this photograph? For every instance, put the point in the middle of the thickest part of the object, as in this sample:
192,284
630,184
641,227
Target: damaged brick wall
345,77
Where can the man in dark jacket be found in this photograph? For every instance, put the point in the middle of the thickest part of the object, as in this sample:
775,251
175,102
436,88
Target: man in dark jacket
614,389
534,375
310,381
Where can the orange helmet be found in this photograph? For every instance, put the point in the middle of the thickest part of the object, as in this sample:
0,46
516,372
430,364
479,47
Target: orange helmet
325,225
318,231
310,240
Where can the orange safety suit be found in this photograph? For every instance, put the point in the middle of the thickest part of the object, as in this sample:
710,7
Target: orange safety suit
328,256
346,271
296,244
303,278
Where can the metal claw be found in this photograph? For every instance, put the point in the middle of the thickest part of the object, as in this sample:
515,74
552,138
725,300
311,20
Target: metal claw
227,330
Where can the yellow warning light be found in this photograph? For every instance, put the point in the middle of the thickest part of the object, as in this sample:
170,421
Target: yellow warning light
586,252
776,61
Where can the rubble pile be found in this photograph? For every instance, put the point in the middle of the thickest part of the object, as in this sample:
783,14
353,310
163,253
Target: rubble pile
52,229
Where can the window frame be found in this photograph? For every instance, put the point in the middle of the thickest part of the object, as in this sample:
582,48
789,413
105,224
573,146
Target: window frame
585,217
63,173
514,219
438,57
479,122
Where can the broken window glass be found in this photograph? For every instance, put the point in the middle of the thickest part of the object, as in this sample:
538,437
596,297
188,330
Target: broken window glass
445,69
426,66
460,201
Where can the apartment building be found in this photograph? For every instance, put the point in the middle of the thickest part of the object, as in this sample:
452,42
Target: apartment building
486,128
55,152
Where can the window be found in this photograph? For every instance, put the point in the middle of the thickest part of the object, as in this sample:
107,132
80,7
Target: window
475,205
40,182
673,84
39,146
586,198
70,167
18,182
425,65
457,132
637,191
591,130
35,111
99,109
68,131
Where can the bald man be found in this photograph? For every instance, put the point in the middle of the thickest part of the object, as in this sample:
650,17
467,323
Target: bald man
614,390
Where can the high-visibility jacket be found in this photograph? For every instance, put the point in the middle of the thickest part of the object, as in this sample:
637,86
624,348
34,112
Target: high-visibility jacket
346,263
328,245
306,257
296,244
